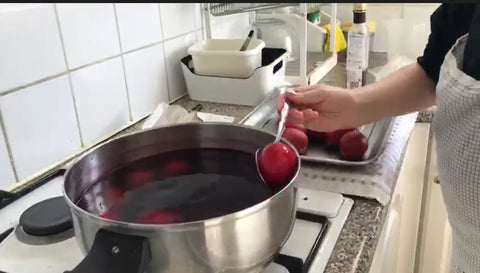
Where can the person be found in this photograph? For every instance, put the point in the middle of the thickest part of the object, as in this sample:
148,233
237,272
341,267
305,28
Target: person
448,75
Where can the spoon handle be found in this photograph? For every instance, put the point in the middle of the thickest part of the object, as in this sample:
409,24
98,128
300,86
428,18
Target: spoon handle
247,41
281,124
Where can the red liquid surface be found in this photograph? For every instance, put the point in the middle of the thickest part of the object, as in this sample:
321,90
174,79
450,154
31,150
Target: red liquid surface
181,186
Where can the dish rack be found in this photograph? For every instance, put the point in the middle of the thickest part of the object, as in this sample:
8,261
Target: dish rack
221,9
310,67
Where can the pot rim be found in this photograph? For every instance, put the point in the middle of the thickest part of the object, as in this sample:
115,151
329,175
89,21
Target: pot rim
182,225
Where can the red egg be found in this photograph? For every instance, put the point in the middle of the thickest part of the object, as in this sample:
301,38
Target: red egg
298,139
291,124
353,146
333,138
315,136
159,217
113,195
136,179
109,215
176,168
276,163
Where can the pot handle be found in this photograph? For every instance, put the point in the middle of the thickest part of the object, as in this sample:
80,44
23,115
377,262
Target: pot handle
115,252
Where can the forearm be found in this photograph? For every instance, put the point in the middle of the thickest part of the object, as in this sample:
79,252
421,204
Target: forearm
404,91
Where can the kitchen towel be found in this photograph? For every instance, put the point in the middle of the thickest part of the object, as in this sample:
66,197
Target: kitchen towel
166,114
207,117
376,180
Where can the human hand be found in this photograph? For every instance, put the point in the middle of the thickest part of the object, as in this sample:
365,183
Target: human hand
322,108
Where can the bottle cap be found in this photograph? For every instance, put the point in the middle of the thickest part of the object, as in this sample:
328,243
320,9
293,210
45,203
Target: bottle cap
359,7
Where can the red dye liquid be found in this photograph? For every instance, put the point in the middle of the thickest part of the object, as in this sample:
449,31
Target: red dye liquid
181,186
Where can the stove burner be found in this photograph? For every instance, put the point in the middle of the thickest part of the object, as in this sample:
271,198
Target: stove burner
49,217
28,239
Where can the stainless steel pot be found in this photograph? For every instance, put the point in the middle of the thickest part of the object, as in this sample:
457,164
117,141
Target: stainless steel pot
245,241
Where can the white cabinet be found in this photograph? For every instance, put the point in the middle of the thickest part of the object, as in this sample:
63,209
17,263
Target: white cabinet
397,243
387,248
434,242
416,235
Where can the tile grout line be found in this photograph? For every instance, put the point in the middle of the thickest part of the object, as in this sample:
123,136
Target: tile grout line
30,84
69,76
9,149
16,89
163,50
129,103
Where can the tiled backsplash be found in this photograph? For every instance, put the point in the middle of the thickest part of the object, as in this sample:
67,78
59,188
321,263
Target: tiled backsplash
72,74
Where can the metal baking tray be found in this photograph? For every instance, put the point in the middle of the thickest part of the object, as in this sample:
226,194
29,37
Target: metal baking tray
264,117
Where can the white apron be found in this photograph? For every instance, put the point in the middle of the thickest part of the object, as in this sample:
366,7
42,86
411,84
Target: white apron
456,128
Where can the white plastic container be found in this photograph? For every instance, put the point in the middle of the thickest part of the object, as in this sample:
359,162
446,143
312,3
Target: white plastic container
248,91
223,58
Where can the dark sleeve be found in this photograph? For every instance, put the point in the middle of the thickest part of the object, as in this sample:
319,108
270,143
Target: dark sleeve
447,24
471,56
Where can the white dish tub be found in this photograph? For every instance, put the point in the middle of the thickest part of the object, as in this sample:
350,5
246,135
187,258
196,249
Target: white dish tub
223,58
238,91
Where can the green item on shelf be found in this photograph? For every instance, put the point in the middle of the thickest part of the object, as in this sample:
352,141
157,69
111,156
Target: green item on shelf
314,17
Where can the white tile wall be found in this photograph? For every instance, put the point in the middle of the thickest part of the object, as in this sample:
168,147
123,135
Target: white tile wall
198,15
416,28
101,99
177,19
40,125
420,11
72,74
89,32
30,47
139,25
175,50
235,26
64,82
146,80
7,177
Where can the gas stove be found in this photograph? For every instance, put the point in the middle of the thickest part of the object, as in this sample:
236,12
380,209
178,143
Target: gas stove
26,246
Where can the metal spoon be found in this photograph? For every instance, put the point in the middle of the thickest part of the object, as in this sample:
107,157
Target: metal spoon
280,129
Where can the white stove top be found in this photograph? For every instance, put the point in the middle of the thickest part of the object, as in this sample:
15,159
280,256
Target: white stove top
19,257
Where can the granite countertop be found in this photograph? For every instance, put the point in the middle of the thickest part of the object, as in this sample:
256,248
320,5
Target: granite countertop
427,115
